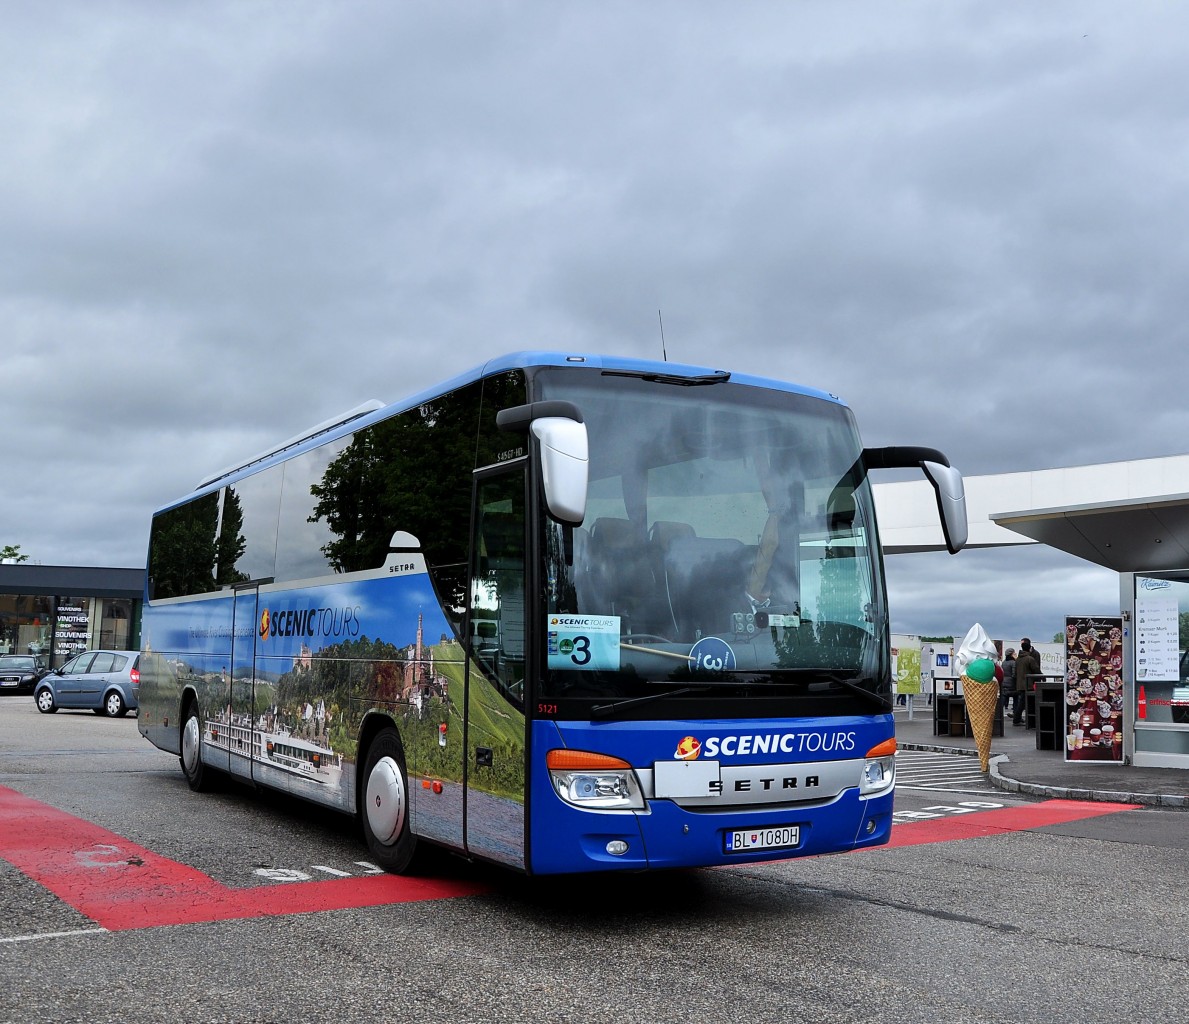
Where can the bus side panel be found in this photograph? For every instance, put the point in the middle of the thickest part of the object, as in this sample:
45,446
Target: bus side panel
496,773
325,657
186,646
805,775
329,655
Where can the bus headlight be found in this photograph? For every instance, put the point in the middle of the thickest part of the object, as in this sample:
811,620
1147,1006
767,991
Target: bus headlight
879,769
595,782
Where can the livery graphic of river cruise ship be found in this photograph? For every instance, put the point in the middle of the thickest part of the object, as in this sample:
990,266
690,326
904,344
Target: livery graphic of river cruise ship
273,747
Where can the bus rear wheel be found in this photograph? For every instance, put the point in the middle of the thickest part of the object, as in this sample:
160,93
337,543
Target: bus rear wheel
385,809
197,776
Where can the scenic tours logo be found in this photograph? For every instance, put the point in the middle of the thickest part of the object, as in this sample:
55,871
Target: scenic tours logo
812,741
307,623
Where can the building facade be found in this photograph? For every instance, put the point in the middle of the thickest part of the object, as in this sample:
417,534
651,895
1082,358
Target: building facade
55,611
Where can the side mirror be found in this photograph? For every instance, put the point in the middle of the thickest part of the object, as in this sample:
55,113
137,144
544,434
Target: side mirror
565,466
946,481
951,503
565,460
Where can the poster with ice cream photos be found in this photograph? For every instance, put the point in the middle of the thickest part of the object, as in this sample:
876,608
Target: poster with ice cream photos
1094,688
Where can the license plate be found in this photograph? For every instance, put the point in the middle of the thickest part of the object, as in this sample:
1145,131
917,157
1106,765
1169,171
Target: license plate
777,837
9,682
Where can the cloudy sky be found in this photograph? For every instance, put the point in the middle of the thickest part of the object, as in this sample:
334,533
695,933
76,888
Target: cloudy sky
223,222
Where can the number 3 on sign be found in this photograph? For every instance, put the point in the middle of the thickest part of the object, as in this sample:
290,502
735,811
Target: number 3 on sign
586,643
581,651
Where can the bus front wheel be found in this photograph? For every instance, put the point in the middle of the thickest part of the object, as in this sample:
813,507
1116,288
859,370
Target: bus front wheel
385,810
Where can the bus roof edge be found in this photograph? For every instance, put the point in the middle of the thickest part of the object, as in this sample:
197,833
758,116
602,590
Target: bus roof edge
335,421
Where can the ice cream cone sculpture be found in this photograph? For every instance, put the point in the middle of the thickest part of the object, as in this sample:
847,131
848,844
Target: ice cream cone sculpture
981,691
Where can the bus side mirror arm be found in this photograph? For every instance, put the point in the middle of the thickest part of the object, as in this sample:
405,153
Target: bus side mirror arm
565,458
946,481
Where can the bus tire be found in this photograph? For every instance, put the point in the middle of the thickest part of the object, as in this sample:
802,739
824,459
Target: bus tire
384,810
197,775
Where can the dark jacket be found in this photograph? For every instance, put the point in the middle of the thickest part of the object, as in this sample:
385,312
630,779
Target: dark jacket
1027,664
1009,674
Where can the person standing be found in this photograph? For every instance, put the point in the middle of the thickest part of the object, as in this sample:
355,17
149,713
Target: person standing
1008,691
1027,664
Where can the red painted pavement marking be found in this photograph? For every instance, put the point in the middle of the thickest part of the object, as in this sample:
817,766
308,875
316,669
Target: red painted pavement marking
121,886
1005,819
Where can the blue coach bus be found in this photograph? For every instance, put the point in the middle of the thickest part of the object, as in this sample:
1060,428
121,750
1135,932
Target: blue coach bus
562,613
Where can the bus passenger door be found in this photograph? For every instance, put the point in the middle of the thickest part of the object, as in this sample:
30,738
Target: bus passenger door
496,666
240,719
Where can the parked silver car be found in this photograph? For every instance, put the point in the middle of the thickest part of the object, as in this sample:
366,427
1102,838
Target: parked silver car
107,682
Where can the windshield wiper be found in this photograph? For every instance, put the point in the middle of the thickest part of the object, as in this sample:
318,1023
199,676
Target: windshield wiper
698,380
835,680
607,710
853,685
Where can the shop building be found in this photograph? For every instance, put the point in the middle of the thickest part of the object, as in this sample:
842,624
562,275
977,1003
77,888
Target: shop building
55,611
1131,517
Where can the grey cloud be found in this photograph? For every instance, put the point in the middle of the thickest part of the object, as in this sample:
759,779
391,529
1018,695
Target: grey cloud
222,225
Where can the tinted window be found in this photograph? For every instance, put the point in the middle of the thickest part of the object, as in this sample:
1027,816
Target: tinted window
413,473
248,531
182,549
335,509
304,539
102,663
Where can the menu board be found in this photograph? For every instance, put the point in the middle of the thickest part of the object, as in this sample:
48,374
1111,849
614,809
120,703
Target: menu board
1157,631
1094,688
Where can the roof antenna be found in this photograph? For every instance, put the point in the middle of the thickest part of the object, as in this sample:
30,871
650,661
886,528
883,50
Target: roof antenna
660,320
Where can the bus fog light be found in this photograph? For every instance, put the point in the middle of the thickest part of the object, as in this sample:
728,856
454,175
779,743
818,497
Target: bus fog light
870,826
617,847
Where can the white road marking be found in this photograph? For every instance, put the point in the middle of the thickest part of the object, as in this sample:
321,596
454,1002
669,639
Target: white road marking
53,935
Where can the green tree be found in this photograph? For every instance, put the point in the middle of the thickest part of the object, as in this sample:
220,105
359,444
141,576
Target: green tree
12,553
413,472
182,553
191,553
231,544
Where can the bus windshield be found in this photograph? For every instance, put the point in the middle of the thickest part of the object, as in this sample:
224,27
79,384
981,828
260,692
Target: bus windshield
729,539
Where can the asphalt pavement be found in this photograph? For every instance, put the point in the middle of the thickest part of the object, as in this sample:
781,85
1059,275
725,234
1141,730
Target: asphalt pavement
1018,766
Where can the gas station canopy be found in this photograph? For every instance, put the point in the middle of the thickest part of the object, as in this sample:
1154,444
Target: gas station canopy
1127,536
1126,516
